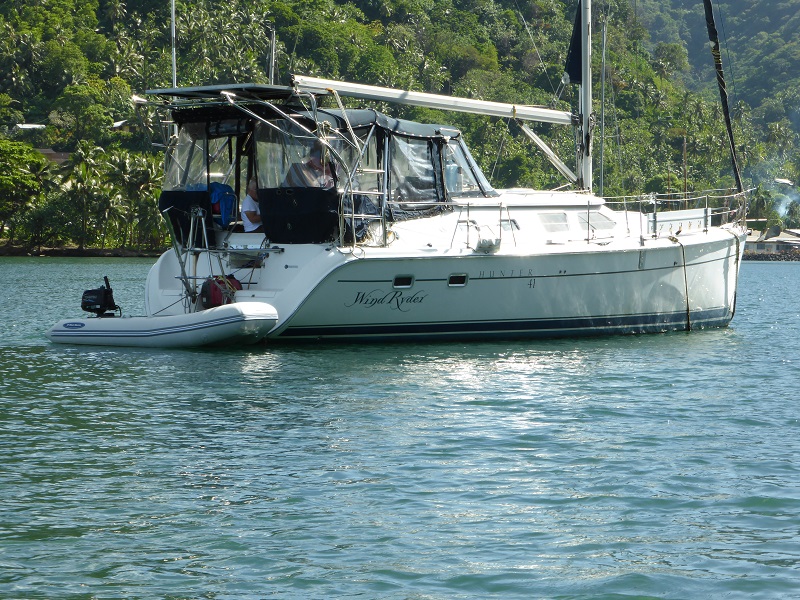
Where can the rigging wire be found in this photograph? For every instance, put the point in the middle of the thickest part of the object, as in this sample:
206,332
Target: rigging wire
500,149
605,17
615,136
535,47
727,49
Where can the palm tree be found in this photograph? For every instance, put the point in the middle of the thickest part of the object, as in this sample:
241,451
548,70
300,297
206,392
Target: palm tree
108,206
115,11
135,179
83,185
781,136
78,187
148,186
88,154
46,175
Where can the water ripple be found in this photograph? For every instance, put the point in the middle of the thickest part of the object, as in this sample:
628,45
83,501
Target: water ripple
651,466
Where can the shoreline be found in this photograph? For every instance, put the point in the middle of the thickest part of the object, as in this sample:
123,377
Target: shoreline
772,256
78,253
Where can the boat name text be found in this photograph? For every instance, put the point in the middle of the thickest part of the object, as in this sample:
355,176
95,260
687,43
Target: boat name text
503,273
395,300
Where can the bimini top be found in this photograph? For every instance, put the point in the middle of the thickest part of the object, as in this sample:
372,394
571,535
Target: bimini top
245,90
196,104
360,118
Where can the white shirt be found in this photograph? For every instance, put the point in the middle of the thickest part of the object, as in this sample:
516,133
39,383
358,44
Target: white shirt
249,205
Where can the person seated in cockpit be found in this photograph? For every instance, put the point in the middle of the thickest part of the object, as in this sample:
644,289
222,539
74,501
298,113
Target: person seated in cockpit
251,214
316,171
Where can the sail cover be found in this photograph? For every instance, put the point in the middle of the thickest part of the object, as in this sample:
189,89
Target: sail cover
575,53
723,92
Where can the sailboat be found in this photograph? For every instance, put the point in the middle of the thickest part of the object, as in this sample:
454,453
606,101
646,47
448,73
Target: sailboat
397,235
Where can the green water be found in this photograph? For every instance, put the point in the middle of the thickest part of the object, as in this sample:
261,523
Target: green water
661,466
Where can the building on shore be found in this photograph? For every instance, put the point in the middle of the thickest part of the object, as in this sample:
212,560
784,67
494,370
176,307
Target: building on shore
773,244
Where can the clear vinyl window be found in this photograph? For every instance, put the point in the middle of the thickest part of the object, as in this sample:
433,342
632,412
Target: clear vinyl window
459,178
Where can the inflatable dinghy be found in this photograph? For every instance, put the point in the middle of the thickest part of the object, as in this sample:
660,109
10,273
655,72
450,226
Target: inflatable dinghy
238,323
218,321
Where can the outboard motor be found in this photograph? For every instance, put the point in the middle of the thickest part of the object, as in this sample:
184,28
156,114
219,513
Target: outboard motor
100,301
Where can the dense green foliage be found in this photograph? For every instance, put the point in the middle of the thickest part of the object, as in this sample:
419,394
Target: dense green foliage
72,66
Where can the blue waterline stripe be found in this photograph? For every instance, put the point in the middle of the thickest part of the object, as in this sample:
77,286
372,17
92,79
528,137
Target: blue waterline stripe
587,325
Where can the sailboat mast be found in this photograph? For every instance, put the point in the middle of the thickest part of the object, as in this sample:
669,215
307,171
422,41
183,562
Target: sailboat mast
603,102
723,92
586,95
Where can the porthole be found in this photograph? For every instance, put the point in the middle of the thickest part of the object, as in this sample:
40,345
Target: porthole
403,281
457,280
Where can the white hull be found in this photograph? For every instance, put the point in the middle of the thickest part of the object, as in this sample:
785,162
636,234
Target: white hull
240,323
523,296
620,285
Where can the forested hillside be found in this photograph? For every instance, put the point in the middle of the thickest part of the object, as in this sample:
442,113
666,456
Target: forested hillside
68,69
761,43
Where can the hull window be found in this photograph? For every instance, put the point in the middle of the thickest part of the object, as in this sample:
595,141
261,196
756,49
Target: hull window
458,280
403,281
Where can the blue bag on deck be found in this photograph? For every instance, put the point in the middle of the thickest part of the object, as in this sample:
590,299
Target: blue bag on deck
223,201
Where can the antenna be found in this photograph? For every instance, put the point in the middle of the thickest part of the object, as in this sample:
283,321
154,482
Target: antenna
272,37
174,62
